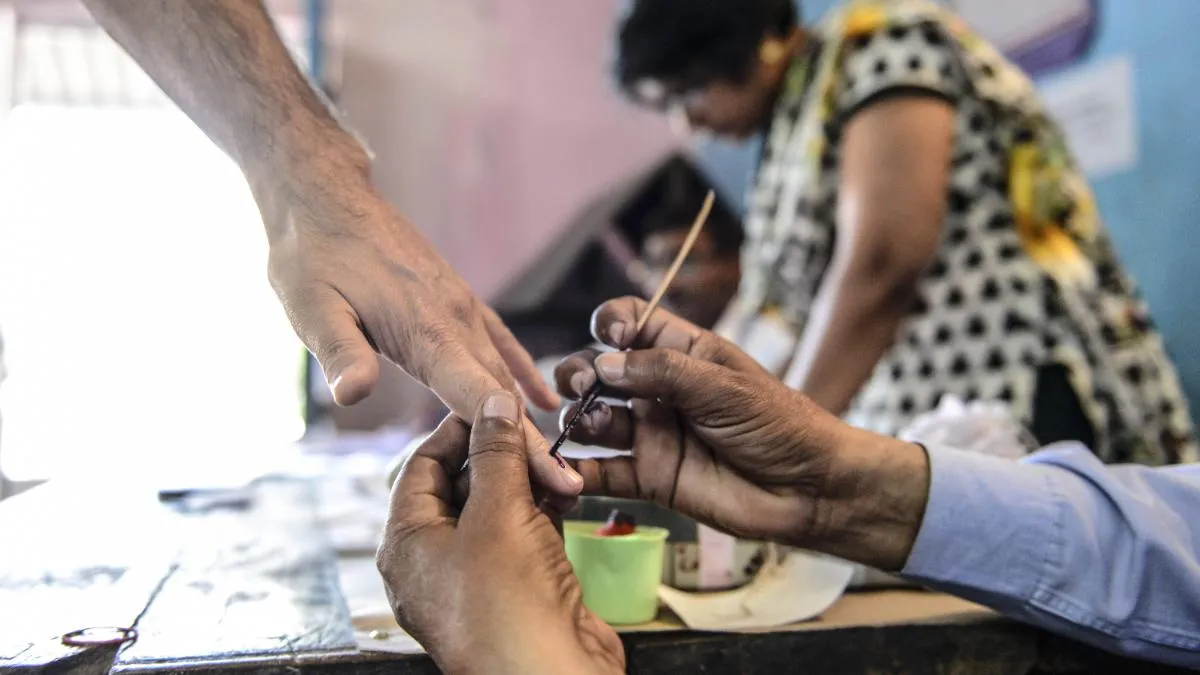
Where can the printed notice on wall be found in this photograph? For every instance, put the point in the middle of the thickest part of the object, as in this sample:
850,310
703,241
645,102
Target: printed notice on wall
1094,105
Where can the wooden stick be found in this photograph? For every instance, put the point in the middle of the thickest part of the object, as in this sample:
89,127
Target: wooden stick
593,393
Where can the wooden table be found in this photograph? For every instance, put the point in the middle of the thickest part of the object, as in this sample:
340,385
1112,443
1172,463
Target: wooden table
255,588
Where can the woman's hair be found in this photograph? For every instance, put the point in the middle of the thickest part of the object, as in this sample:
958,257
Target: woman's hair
692,43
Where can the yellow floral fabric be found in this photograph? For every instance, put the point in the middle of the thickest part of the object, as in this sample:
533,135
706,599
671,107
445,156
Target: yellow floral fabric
1025,276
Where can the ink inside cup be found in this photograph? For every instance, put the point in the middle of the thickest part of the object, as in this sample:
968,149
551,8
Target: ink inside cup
619,574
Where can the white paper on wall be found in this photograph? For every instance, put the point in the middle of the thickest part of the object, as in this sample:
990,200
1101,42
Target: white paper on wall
1094,104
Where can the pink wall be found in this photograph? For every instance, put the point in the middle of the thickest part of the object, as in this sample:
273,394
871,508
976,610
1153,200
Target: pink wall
492,120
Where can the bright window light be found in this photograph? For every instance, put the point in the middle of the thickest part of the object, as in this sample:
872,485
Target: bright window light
138,321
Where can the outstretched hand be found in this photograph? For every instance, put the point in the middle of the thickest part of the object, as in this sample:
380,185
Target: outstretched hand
355,278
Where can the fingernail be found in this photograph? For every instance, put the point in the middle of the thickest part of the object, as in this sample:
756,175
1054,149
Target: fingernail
616,333
572,475
334,385
597,417
582,381
500,405
611,367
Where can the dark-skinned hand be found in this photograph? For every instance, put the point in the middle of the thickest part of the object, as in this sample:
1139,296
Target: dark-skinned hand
716,437
482,580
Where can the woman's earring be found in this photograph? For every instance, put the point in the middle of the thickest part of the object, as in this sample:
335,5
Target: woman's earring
771,51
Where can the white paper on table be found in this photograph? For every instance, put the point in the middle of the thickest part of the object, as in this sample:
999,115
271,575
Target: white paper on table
573,450
716,551
1094,106
791,587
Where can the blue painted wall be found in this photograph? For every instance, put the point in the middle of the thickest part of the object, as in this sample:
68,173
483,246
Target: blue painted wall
1151,209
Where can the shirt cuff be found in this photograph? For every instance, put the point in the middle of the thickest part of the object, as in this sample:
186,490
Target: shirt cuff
989,527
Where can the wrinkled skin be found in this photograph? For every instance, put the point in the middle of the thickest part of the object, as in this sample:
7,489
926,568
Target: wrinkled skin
356,277
713,434
484,578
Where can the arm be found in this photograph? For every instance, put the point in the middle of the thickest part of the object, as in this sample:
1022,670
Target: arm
1106,555
353,274
222,62
891,201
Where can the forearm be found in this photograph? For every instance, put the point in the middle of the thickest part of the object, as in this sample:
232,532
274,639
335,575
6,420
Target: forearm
852,324
1105,555
224,64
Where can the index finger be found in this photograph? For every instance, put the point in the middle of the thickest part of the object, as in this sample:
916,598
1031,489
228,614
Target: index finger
615,322
424,492
448,362
519,362
462,383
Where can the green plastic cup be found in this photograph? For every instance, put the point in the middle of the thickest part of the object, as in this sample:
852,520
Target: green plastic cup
619,575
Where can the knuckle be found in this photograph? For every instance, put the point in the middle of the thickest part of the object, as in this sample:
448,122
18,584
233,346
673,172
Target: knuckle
496,459
742,392
335,351
569,367
423,346
463,310
503,447
497,436
612,311
627,302
734,398
667,367
563,372
383,559
337,345
390,554
711,348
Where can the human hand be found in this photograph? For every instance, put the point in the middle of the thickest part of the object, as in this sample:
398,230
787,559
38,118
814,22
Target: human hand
485,584
718,438
356,277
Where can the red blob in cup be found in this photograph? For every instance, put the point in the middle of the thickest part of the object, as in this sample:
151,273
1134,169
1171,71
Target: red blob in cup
619,524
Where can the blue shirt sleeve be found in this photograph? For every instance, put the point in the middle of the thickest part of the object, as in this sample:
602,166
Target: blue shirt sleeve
1107,555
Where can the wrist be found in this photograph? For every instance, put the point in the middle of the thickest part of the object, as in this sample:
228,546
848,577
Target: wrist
307,160
326,181
874,501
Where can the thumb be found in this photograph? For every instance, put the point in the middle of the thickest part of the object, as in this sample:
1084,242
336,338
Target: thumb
331,331
498,460
682,381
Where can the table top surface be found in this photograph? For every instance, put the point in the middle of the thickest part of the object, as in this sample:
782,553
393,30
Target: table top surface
253,585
